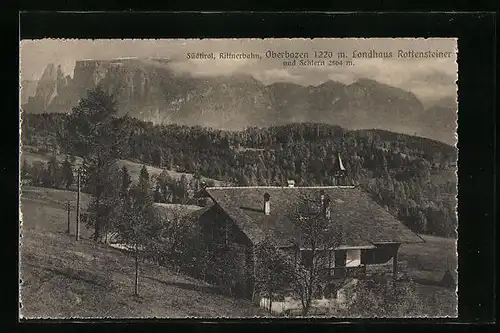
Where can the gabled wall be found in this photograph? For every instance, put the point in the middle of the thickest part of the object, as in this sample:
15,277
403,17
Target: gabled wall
230,253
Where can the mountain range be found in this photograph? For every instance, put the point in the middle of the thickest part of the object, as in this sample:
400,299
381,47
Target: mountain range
149,89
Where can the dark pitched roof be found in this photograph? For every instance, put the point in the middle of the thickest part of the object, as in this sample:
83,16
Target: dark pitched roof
183,210
240,218
363,221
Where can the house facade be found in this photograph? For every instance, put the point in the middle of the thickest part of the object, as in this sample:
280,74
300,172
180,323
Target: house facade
231,255
236,219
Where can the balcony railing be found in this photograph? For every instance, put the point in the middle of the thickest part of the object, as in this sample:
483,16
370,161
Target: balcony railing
342,272
364,270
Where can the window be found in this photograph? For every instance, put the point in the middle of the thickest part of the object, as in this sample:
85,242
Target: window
353,258
339,258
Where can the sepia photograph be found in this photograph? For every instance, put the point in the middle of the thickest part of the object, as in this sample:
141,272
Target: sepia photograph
238,178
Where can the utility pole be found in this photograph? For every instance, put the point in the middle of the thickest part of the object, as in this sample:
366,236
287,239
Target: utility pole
69,208
136,269
78,206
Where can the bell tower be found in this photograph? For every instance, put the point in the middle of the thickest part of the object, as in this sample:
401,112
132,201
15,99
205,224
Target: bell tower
340,172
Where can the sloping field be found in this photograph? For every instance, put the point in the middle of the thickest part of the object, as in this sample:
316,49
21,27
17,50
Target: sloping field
31,157
437,302
168,209
63,278
134,168
428,261
46,209
444,176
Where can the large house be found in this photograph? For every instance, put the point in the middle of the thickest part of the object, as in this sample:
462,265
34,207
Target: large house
244,216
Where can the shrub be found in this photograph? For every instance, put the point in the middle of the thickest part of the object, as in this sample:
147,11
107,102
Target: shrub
383,299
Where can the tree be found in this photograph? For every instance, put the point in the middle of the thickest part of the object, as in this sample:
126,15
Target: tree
226,266
181,190
273,274
103,210
158,195
364,153
94,134
67,171
26,170
175,240
158,157
89,125
144,179
39,173
420,221
319,236
196,180
126,181
137,222
54,173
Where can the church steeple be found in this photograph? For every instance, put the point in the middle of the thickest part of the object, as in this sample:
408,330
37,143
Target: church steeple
340,172
341,165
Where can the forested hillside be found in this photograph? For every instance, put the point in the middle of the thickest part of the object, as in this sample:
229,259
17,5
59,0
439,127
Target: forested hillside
154,90
400,171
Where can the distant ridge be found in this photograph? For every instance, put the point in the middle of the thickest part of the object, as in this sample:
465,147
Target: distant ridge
150,89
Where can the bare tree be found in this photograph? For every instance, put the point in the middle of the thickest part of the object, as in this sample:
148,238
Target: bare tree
104,206
172,242
137,222
319,237
273,272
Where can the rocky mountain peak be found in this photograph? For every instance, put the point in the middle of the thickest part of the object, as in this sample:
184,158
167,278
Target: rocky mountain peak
151,90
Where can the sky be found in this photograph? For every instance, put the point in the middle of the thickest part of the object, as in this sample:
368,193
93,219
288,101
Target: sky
430,79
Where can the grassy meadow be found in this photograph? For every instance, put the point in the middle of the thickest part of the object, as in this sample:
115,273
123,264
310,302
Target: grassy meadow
63,278
427,262
134,168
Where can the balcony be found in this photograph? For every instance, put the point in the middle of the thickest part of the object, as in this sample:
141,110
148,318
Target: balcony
364,270
344,272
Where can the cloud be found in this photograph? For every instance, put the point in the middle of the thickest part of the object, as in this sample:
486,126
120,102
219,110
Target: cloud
277,75
208,67
427,78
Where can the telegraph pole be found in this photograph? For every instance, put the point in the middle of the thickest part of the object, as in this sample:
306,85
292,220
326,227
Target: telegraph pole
69,208
136,269
78,207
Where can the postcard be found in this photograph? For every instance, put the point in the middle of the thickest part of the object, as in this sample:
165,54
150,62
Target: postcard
238,178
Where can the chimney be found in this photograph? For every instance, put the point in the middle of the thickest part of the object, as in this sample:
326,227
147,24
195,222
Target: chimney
291,183
267,204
